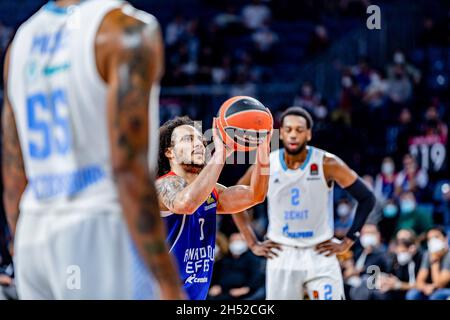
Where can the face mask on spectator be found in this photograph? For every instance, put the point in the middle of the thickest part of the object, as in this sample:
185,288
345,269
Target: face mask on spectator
347,82
238,247
343,210
399,58
307,91
390,210
217,251
321,112
387,168
404,258
368,240
435,245
407,206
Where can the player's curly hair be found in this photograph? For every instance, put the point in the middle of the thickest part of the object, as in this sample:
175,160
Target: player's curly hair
165,141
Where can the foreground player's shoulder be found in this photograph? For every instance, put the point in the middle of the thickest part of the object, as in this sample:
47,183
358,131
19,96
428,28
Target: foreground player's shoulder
126,32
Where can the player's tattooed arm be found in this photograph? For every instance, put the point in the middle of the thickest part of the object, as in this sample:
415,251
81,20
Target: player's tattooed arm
168,190
129,56
179,197
13,169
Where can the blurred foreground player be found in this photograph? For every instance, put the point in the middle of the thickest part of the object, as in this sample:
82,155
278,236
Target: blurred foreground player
190,197
81,77
300,209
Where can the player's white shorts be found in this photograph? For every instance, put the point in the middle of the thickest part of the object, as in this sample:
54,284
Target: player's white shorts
299,270
78,255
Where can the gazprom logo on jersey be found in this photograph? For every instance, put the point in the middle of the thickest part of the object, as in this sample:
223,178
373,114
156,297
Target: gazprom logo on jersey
47,186
296,235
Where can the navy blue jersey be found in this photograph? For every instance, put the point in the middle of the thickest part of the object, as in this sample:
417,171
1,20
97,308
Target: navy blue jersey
191,239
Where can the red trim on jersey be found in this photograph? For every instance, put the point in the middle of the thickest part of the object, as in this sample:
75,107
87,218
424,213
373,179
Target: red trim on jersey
216,194
170,173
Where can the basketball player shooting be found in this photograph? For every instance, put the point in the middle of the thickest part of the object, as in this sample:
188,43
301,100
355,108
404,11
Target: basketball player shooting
81,78
300,212
190,197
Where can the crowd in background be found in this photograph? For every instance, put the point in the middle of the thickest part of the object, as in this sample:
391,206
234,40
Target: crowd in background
389,123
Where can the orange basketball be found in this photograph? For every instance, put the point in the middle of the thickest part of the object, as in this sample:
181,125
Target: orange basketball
244,122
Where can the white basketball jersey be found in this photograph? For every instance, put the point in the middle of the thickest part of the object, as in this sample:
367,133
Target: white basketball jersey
300,202
59,103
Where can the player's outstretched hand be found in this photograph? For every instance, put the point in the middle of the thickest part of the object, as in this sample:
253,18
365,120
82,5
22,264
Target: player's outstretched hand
267,249
334,246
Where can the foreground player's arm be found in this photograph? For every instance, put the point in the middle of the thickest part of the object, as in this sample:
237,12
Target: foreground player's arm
177,196
241,197
132,51
13,169
243,223
336,170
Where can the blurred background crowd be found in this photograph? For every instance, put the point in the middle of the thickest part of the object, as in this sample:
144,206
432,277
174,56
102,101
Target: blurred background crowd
379,98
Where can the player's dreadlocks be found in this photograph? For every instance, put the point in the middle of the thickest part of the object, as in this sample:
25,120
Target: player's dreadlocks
165,141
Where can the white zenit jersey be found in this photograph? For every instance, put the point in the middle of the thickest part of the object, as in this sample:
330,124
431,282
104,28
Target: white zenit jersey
300,202
59,103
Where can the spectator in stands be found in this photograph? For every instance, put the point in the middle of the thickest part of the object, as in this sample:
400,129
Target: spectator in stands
384,182
229,21
344,218
241,275
399,86
434,125
430,34
375,92
254,15
350,99
222,74
307,98
411,178
372,259
408,70
404,129
433,279
413,216
362,73
388,223
405,266
175,29
319,41
192,41
264,40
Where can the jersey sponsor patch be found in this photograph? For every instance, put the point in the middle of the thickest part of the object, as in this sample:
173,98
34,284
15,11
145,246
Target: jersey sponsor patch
314,169
193,279
298,234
